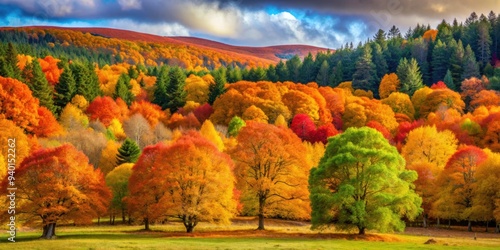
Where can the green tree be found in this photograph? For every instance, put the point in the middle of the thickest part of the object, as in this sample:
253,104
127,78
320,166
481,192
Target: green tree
365,76
38,84
457,52
87,81
271,74
282,71
306,71
8,64
484,42
361,182
219,87
128,153
65,89
448,80
470,65
123,89
440,61
176,95
409,76
117,181
160,96
378,59
323,77
235,125
293,65
337,75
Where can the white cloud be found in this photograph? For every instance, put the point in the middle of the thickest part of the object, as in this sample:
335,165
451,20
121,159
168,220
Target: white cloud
163,29
130,4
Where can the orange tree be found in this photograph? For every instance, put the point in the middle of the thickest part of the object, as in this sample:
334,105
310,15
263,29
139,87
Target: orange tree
58,184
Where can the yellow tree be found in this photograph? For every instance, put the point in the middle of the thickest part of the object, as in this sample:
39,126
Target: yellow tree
389,84
117,181
487,193
300,103
400,103
271,171
419,148
107,161
208,131
197,89
418,99
255,114
9,130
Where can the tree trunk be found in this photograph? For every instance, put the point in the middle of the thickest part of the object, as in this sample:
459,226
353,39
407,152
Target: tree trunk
146,224
487,224
361,230
469,226
189,227
449,223
123,216
438,222
497,228
425,221
262,202
49,231
114,216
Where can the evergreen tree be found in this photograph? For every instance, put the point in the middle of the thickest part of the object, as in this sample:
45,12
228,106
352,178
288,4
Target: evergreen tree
87,81
470,66
306,72
65,89
440,61
409,76
419,51
457,52
394,33
393,53
457,30
132,72
379,61
128,153
219,87
323,77
337,75
160,92
8,64
294,65
38,84
448,80
234,74
484,42
282,71
365,76
271,74
176,94
380,39
123,89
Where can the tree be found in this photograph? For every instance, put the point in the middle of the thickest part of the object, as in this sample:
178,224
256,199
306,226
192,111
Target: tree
457,52
361,182
293,66
65,89
323,77
38,84
9,130
235,126
448,80
208,131
191,181
484,42
457,184
219,87
470,67
87,81
440,61
176,95
128,153
105,109
419,149
389,83
17,104
8,64
409,75
487,192
117,181
47,125
306,71
303,126
365,75
60,185
400,103
123,89
271,171
160,95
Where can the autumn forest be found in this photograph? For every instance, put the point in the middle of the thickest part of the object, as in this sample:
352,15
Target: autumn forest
402,129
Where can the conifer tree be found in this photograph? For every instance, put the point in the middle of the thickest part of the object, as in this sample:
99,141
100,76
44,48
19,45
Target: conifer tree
123,89
470,66
128,153
176,95
323,77
8,64
65,89
440,60
160,91
219,87
457,52
38,84
409,76
306,72
364,76
448,80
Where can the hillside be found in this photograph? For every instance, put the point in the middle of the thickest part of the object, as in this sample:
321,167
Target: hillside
135,47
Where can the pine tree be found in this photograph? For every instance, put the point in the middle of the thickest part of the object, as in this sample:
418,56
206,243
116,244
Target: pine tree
8,64
65,89
306,71
128,153
38,84
282,71
484,42
365,76
271,74
176,94
470,66
448,80
409,76
87,81
380,39
337,75
160,91
394,33
123,89
323,77
293,66
219,87
440,60
379,61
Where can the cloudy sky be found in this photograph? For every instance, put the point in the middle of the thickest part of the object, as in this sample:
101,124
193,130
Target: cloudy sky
325,23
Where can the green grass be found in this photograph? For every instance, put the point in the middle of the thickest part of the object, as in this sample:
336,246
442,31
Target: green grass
214,237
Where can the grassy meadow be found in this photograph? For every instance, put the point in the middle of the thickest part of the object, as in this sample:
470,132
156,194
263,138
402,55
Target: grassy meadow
241,235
